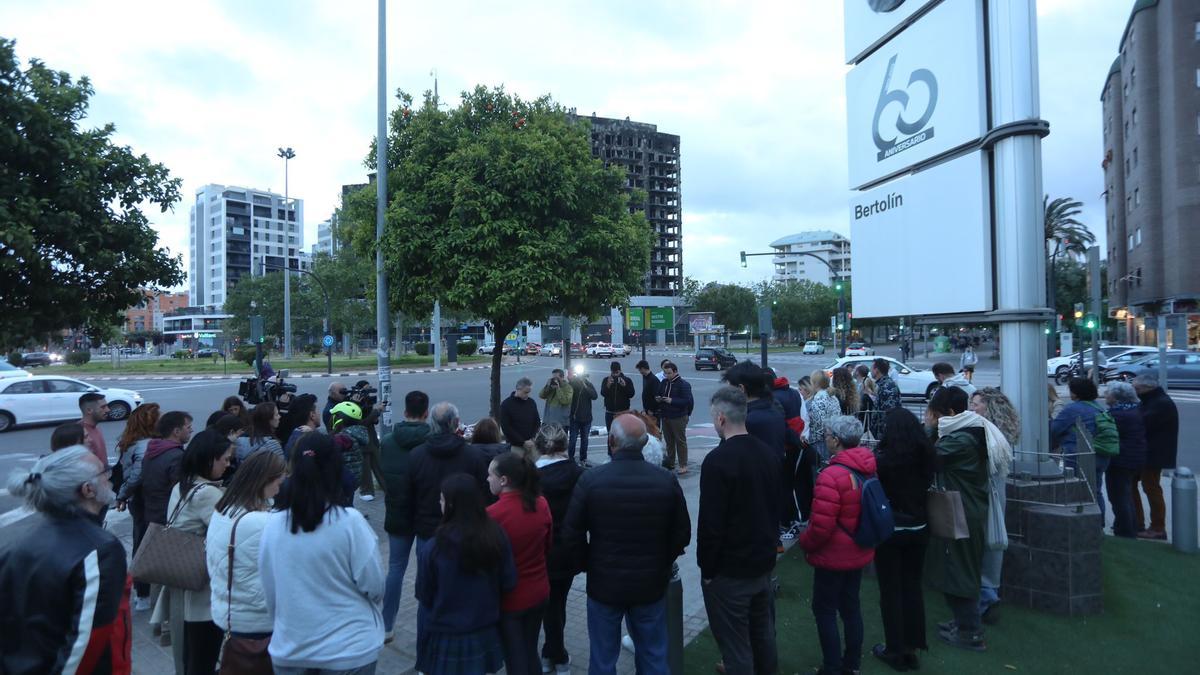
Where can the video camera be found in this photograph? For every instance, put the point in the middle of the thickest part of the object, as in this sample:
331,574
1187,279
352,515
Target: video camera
363,394
255,391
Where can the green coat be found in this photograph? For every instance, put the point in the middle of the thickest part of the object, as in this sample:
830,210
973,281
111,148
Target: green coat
393,461
954,567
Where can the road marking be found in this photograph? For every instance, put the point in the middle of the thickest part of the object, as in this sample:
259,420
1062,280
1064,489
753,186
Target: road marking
15,515
188,385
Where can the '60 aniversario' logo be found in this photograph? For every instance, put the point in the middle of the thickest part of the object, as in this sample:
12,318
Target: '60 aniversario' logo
903,133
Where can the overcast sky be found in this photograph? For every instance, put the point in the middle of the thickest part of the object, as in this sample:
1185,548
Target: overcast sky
755,89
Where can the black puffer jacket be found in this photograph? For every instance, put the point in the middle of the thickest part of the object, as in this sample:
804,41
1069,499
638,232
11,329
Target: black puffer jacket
558,483
160,473
1132,432
1162,429
439,456
630,522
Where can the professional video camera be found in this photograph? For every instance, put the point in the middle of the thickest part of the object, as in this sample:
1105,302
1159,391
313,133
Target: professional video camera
363,394
276,391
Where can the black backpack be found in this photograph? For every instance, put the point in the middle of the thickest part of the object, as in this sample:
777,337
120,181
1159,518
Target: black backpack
876,522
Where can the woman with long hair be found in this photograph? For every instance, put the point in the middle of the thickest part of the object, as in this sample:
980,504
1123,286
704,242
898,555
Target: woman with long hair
264,421
821,408
462,572
991,404
235,535
558,477
320,571
300,416
195,639
525,516
904,462
233,405
845,391
486,437
131,448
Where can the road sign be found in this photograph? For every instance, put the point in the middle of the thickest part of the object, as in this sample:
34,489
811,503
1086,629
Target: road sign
327,341
662,318
764,320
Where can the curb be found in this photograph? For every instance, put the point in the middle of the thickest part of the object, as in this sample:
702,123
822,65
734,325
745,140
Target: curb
298,376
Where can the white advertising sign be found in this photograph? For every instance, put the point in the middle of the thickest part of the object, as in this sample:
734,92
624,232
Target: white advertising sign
921,94
869,22
922,243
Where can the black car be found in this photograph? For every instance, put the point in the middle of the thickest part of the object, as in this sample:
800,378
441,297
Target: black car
715,358
209,353
36,359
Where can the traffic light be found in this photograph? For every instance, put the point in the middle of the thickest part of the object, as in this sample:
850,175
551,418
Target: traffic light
1090,323
1046,330
1079,310
743,259
838,287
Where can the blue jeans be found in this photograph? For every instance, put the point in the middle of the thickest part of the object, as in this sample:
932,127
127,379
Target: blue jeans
836,593
580,430
399,548
647,626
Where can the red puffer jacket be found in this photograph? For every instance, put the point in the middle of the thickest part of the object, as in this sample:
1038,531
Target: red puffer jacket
837,505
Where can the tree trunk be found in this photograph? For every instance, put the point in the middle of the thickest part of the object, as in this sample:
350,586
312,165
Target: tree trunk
500,330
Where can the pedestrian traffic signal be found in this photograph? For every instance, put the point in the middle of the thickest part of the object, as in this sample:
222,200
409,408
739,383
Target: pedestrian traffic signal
1090,323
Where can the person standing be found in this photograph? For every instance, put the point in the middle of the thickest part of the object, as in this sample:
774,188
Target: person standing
944,373
63,581
649,388
991,404
346,423
320,572
675,406
395,460
337,393
904,462
765,421
519,418
836,559
487,439
822,408
954,566
735,539
461,574
160,465
629,521
558,476
132,446
580,427
264,420
793,406
1161,418
1083,407
234,538
967,362
1123,405
524,515
845,391
887,392
195,639
442,454
557,394
617,391
93,410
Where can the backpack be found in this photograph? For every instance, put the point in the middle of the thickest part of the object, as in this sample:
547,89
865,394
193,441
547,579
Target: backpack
1106,441
875,522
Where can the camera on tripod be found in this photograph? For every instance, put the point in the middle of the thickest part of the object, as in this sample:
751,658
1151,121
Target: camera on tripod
255,391
363,394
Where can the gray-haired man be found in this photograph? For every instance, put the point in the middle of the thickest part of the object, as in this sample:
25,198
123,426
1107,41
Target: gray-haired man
443,453
519,419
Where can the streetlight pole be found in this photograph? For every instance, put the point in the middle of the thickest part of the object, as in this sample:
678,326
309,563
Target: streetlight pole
327,322
287,154
835,277
381,290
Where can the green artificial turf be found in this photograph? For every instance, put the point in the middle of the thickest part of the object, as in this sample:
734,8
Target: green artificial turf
1151,620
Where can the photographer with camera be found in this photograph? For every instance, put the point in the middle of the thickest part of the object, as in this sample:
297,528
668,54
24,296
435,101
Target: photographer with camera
581,413
557,394
617,391
364,395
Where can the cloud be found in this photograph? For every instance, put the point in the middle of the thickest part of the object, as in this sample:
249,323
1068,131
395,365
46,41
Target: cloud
755,90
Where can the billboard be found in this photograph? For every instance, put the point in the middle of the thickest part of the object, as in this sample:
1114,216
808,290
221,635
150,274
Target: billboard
870,22
922,243
920,95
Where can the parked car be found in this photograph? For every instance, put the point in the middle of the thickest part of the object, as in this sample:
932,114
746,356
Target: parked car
489,348
913,382
600,350
533,348
622,350
48,398
716,358
209,353
1057,366
1123,359
556,349
37,359
8,370
813,347
1183,369
859,349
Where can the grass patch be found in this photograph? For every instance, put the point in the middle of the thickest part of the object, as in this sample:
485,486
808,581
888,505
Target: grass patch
1151,616
210,367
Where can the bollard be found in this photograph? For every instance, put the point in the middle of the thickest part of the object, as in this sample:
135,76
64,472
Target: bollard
1183,510
675,623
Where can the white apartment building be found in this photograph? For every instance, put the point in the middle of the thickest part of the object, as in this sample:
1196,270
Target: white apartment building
827,245
326,242
234,232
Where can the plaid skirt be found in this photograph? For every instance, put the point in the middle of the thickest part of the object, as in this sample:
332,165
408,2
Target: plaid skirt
460,653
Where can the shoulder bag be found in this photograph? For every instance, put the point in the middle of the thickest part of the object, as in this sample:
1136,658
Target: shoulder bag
947,517
171,557
240,655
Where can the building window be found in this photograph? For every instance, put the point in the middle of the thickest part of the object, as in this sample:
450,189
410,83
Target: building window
1198,31
1135,158
1133,77
1134,115
1137,196
1130,242
1198,78
1128,204
1126,129
1126,166
1138,237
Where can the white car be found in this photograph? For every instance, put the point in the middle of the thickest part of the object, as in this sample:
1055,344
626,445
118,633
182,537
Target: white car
1061,364
556,349
599,349
8,370
859,349
622,350
48,398
913,382
813,347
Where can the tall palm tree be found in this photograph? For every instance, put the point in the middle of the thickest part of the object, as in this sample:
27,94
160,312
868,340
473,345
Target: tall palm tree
1068,235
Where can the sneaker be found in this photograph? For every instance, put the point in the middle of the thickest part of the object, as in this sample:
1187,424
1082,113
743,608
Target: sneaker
389,636
947,625
790,533
547,666
141,604
368,498
896,661
964,640
1153,535
627,643
565,667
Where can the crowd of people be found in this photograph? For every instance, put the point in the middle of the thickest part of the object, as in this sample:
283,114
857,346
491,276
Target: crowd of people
503,519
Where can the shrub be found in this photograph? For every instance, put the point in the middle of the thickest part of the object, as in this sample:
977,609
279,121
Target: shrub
182,354
467,348
423,348
313,349
246,354
79,357
16,359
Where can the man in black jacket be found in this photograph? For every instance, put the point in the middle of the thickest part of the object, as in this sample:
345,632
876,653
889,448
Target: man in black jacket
395,460
736,537
617,390
1161,418
675,407
581,414
649,388
443,453
519,418
629,522
63,583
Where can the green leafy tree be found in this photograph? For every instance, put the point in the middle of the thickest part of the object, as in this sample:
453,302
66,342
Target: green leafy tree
735,306
76,248
498,209
266,292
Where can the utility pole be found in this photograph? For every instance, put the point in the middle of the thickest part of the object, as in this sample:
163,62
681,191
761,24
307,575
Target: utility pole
381,290
1093,258
287,154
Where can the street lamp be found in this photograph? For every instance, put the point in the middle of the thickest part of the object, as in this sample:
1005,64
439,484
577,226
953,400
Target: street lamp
286,154
834,275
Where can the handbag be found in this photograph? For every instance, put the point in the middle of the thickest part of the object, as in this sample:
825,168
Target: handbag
239,655
997,532
171,557
947,517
